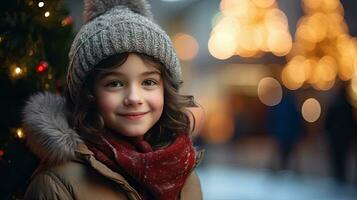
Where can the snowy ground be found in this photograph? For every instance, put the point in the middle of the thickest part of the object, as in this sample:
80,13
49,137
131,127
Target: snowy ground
222,182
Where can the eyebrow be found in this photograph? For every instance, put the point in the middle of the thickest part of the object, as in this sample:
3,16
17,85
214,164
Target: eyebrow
111,73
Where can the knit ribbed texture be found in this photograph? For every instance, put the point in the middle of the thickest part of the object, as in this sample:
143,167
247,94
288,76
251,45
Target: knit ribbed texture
119,30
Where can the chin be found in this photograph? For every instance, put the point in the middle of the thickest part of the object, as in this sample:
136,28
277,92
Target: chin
129,133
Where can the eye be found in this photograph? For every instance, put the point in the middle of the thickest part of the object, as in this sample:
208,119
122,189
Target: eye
149,82
115,83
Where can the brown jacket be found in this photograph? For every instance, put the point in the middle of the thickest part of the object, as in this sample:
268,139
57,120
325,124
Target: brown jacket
69,169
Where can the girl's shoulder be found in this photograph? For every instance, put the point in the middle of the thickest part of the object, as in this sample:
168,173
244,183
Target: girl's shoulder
55,182
71,180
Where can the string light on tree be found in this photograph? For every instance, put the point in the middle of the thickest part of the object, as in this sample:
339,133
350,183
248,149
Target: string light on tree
42,67
47,13
19,133
41,4
17,72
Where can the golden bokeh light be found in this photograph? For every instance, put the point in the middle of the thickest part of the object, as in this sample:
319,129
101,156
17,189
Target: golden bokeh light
270,91
331,5
346,69
322,38
312,4
40,4
260,36
280,43
255,26
297,71
235,8
20,133
323,73
222,45
47,14
263,3
186,46
17,72
245,39
275,19
311,110
219,128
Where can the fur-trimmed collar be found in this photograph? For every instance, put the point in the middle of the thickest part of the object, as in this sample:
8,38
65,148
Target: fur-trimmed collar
48,133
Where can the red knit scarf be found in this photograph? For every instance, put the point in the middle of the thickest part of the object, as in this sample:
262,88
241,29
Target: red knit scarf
158,174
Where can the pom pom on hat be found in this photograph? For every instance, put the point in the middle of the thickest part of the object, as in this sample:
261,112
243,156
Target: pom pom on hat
94,8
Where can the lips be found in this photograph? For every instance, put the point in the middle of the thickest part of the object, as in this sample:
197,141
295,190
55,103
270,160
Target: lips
134,115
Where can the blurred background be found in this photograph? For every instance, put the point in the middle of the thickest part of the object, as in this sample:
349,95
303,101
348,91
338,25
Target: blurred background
277,81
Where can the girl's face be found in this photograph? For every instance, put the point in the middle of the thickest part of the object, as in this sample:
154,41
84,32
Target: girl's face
130,97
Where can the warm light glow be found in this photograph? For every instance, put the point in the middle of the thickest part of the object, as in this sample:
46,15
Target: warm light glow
263,3
236,8
311,110
18,70
41,4
322,38
257,26
324,73
186,46
280,43
312,4
331,5
270,91
20,133
47,14
276,20
260,36
223,41
219,128
245,39
296,72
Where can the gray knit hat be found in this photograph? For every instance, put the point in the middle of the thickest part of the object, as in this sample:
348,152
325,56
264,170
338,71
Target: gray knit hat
118,26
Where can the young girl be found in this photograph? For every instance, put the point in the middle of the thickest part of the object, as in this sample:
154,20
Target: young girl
122,129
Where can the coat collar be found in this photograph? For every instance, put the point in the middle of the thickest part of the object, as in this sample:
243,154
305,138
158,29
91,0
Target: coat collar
49,135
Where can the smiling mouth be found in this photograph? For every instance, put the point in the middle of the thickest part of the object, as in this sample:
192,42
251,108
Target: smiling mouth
134,116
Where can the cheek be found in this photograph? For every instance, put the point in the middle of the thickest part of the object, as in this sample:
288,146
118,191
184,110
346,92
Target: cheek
107,103
157,101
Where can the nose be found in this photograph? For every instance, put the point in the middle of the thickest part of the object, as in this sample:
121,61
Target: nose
133,97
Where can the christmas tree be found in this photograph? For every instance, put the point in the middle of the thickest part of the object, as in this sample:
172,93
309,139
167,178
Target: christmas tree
35,37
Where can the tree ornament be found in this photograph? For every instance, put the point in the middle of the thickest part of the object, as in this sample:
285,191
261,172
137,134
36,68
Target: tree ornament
42,67
2,153
67,21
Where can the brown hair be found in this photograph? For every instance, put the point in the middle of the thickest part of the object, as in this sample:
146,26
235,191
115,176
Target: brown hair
84,117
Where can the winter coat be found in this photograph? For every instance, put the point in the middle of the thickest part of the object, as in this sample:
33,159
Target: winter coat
69,169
